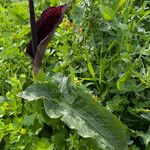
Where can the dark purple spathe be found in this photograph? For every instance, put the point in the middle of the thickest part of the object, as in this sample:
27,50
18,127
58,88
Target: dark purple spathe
48,21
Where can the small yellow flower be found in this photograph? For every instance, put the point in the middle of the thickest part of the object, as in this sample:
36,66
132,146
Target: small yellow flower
76,80
95,98
5,105
23,131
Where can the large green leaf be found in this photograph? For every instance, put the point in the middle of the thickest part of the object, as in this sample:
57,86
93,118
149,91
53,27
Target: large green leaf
79,111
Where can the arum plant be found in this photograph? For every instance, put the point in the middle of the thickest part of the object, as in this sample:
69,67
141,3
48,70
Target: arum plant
64,99
41,31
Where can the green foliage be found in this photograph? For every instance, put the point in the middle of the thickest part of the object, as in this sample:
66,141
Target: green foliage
78,110
103,45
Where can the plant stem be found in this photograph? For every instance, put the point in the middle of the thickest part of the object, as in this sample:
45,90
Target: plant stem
33,27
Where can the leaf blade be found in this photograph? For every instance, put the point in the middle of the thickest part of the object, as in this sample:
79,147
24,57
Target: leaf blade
79,111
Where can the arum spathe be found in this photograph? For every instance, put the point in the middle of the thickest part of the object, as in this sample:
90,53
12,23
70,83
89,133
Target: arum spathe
41,32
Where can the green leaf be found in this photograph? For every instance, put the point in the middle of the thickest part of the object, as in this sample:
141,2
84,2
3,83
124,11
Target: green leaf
144,136
107,12
29,120
117,103
121,82
44,144
90,67
142,113
40,76
79,111
59,140
120,3
44,91
127,84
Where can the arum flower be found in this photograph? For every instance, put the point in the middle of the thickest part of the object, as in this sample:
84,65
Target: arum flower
44,28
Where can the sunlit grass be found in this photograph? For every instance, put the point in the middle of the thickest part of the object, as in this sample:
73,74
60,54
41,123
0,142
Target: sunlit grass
105,46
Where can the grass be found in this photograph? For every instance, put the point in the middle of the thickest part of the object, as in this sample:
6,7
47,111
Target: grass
104,45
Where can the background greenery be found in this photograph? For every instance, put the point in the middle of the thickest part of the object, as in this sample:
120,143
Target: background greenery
102,44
